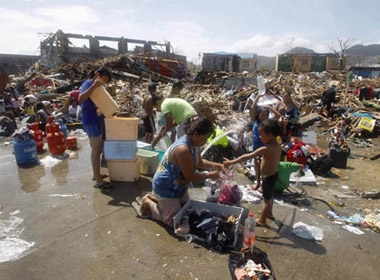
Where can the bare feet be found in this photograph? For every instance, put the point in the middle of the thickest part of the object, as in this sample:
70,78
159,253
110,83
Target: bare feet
258,186
138,211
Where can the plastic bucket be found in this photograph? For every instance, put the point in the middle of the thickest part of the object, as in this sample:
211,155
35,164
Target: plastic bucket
161,154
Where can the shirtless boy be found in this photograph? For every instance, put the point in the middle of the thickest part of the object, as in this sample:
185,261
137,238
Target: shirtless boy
270,153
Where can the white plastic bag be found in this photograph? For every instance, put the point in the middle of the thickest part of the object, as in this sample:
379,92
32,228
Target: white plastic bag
308,232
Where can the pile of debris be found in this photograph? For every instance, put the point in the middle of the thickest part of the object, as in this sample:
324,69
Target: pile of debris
213,94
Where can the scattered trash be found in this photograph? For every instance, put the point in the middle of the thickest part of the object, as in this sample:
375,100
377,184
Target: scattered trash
373,221
373,194
340,204
353,229
308,232
343,195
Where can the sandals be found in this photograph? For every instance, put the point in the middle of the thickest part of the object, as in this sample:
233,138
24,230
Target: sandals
102,175
136,207
261,225
103,185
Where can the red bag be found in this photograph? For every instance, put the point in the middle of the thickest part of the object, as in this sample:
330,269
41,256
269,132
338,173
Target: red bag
298,152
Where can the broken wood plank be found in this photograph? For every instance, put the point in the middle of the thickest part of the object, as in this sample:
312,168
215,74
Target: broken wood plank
375,157
309,119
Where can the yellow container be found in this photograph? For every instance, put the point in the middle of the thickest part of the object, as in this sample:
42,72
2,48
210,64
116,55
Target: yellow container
149,161
124,129
104,102
124,170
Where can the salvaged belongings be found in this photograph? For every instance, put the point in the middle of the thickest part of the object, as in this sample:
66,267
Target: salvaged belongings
250,263
218,232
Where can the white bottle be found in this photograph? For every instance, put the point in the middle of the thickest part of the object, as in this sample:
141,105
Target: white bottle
249,236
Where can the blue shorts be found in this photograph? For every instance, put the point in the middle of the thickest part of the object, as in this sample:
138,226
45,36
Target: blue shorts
93,130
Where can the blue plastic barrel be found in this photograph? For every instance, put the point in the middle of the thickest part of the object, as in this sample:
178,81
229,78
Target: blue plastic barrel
25,152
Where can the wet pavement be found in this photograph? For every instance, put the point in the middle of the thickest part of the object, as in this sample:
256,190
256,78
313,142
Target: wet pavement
55,225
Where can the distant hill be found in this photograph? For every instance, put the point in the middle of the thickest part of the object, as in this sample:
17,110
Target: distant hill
360,50
300,50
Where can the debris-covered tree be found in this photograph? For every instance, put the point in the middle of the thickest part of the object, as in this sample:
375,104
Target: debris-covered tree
341,51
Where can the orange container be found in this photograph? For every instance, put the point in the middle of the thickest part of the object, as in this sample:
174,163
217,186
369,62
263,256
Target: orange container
104,102
56,140
71,142
49,127
38,137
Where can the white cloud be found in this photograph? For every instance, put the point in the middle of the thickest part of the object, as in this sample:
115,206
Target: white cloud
190,28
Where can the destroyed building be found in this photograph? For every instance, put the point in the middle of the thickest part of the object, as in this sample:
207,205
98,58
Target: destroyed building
57,48
306,62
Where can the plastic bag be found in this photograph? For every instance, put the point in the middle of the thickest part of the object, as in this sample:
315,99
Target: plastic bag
308,232
237,259
229,191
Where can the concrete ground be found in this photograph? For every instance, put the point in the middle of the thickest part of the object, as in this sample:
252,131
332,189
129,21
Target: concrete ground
55,225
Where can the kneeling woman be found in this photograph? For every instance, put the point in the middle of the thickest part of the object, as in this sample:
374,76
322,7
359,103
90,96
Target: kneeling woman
178,169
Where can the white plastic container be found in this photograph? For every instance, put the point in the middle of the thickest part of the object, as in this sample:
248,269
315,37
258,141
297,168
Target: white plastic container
120,150
104,102
124,170
149,161
215,209
118,128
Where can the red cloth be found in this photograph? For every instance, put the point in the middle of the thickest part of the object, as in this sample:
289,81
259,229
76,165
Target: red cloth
295,153
370,92
74,94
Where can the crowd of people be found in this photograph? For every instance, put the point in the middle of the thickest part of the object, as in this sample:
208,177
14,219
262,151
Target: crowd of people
182,164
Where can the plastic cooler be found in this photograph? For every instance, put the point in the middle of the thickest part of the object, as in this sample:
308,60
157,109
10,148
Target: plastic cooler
148,161
161,154
118,128
217,210
144,146
121,150
124,170
104,102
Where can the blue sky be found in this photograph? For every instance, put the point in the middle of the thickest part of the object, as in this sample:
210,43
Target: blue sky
265,27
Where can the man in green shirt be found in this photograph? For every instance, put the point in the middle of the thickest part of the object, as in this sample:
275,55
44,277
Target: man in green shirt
176,112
